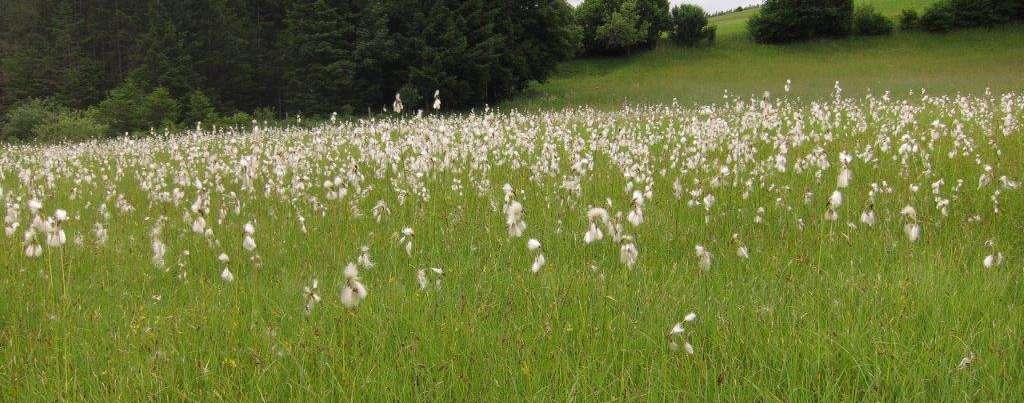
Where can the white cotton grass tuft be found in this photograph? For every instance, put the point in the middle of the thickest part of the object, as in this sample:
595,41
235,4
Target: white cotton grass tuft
845,175
836,199
514,219
636,216
991,261
311,294
34,205
539,260
703,257
364,259
912,231
594,216
248,243
675,335
352,291
226,275
100,233
405,240
741,249
628,254
868,216
533,244
995,258
397,105
514,212
426,277
911,228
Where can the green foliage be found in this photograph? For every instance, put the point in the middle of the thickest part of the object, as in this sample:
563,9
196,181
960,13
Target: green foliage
624,30
619,26
295,56
690,25
320,40
411,96
160,108
264,115
129,108
939,18
239,119
69,126
909,19
867,21
785,21
947,15
124,110
22,120
904,64
200,109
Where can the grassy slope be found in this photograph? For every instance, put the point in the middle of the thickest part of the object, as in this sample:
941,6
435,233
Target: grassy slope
826,314
965,61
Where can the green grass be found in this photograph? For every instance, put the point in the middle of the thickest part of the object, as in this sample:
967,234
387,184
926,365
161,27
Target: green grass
822,310
969,61
819,313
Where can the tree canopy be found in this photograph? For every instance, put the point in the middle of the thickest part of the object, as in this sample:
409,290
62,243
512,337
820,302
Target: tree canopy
292,56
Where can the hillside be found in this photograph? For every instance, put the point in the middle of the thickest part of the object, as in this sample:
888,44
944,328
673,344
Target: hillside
963,61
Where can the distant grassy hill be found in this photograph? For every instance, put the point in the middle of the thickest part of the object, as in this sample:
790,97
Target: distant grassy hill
962,61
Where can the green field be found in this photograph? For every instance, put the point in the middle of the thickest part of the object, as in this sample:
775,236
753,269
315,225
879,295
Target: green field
853,248
965,61
823,309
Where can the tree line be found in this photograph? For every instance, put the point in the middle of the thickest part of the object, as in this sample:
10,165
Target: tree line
184,60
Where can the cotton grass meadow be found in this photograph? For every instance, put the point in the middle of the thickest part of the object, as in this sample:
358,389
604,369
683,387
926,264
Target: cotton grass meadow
764,248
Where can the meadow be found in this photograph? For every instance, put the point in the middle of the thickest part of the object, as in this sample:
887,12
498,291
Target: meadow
755,249
968,61
830,221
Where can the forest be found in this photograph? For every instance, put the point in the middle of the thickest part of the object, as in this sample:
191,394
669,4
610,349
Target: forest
180,62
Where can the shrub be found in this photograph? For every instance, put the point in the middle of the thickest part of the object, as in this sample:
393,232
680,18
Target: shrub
618,26
690,25
867,21
238,120
200,109
908,20
122,111
22,120
938,18
624,30
129,108
411,97
70,126
160,109
951,14
261,115
783,21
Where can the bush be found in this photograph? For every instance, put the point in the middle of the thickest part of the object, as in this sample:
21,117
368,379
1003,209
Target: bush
783,21
200,109
261,115
908,20
867,21
22,120
952,14
70,126
690,25
123,109
239,120
160,109
938,18
619,26
624,30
